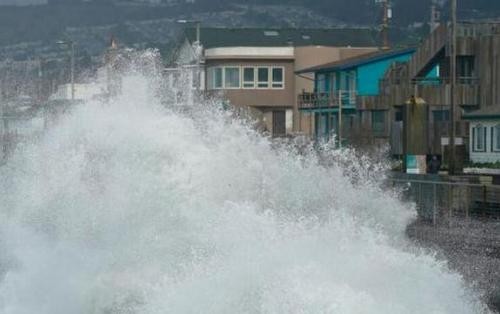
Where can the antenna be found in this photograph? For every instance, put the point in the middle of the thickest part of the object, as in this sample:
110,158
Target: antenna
384,26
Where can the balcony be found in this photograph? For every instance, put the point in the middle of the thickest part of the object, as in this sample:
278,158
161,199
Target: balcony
316,101
436,91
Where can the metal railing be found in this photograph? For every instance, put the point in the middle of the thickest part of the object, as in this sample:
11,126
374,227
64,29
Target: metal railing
326,99
443,201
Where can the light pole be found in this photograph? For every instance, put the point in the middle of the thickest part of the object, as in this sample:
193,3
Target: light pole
71,45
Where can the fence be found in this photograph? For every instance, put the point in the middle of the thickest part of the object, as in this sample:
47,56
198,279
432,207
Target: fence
444,201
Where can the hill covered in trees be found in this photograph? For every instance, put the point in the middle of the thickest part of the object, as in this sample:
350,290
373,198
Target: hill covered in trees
31,30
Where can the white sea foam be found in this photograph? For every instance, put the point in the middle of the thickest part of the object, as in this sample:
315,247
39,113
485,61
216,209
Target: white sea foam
130,207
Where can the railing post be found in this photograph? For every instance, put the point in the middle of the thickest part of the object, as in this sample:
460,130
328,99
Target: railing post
420,196
434,214
485,197
450,202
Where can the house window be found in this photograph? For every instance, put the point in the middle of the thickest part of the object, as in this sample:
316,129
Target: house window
479,138
248,78
465,67
232,77
496,138
277,77
321,83
263,77
215,77
441,115
378,122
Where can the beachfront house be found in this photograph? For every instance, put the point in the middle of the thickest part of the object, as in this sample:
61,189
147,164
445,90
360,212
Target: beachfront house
484,135
253,68
426,76
344,102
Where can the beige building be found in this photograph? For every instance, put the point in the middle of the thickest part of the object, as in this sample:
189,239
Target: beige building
254,69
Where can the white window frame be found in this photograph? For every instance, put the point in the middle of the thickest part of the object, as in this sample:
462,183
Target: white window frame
271,79
239,76
484,130
258,81
211,76
495,138
254,82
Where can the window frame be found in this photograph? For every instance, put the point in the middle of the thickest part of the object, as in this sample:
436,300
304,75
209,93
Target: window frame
258,81
239,76
254,82
495,138
475,141
271,77
211,75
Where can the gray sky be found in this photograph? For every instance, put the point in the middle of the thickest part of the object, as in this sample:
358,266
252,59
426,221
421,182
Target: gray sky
22,2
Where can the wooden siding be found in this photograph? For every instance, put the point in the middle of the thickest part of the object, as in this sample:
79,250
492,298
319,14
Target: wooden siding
428,50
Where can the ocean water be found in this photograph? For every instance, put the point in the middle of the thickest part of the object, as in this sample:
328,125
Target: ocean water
131,206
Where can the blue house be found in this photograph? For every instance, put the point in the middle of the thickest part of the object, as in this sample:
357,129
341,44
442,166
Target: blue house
351,87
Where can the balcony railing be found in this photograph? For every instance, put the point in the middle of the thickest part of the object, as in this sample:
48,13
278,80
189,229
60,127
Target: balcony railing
461,80
327,100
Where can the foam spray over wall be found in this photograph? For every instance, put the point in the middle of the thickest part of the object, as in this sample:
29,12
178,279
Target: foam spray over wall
133,207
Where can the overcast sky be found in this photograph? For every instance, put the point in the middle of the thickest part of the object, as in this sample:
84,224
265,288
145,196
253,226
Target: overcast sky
22,2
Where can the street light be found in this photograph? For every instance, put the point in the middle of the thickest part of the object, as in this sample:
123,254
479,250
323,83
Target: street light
70,44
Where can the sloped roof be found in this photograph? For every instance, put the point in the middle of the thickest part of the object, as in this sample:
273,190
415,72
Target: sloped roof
487,112
358,60
274,37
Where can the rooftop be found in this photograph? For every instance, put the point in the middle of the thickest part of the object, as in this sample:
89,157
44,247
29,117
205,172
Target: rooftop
274,37
353,62
487,112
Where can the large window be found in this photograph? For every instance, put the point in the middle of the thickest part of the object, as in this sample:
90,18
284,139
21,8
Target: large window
479,138
215,78
495,134
263,77
441,115
232,77
249,77
378,122
277,77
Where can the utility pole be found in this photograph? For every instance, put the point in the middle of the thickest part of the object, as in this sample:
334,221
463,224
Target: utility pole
435,17
384,27
453,81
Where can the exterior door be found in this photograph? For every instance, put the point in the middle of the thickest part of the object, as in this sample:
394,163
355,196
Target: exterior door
279,123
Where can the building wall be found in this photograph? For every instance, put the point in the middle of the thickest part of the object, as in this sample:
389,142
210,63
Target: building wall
369,75
261,98
489,155
310,56
487,68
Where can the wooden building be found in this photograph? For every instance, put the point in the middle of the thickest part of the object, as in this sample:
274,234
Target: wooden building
254,68
427,76
346,94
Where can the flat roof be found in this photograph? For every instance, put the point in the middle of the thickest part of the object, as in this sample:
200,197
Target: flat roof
487,112
216,37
